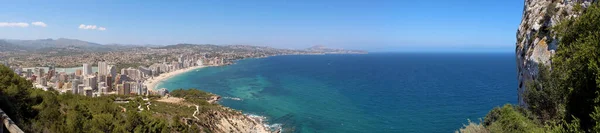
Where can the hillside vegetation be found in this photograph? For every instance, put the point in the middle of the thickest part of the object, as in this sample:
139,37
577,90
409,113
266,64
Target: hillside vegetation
566,97
35,110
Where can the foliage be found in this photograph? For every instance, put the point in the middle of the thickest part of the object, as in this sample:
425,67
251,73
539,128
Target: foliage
576,65
189,93
35,110
510,119
473,127
543,102
192,95
17,96
566,97
577,8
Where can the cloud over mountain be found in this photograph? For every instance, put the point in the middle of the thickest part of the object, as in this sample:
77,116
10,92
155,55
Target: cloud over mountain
13,24
38,23
91,27
22,24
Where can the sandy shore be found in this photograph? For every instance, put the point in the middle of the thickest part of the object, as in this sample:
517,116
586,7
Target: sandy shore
152,82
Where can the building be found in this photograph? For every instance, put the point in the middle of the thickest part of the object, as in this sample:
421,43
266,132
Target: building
132,73
78,72
100,85
87,69
112,70
67,86
102,90
42,81
109,84
40,76
74,86
199,62
29,73
80,89
101,78
59,84
180,59
91,81
88,91
63,77
126,88
50,73
102,68
120,90
144,71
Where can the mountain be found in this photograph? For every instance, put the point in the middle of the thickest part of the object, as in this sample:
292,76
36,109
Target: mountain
61,43
321,48
64,45
6,46
536,41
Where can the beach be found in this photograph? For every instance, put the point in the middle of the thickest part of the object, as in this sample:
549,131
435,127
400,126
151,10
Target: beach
152,82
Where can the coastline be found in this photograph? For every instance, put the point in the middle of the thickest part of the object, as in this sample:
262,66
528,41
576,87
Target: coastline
152,82
254,123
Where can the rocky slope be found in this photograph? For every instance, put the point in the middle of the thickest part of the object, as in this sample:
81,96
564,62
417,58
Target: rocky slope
210,116
536,42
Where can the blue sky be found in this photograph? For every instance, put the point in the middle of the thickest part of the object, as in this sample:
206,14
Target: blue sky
375,25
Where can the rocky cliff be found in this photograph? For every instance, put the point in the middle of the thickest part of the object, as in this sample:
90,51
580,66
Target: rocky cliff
536,41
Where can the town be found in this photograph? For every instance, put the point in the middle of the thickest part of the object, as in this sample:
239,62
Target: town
106,79
128,70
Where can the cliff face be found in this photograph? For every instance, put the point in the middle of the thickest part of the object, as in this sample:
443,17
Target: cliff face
536,42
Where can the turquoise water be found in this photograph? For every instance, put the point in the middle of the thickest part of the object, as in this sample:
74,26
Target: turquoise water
381,92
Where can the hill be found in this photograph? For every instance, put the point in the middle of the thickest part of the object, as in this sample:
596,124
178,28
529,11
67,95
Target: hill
323,49
35,110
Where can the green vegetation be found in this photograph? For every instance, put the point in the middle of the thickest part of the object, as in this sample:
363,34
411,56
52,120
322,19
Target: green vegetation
577,8
128,65
35,110
510,119
565,97
197,97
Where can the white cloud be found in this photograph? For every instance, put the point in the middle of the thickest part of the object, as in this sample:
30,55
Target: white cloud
91,27
13,24
87,27
40,24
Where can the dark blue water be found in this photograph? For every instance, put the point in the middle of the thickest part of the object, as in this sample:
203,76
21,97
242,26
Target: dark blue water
381,92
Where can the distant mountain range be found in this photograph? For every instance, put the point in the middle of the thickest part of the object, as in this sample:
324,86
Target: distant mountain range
321,48
50,44
74,45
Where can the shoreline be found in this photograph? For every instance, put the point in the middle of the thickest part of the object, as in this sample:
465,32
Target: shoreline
152,83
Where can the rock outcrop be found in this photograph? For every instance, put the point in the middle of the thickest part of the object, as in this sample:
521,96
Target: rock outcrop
536,42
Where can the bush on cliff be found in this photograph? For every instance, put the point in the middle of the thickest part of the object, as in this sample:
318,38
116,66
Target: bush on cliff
510,119
566,97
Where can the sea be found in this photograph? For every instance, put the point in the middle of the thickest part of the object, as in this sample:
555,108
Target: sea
362,93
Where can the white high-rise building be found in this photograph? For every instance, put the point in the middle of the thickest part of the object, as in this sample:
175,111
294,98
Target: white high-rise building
87,69
40,76
102,68
199,62
180,59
